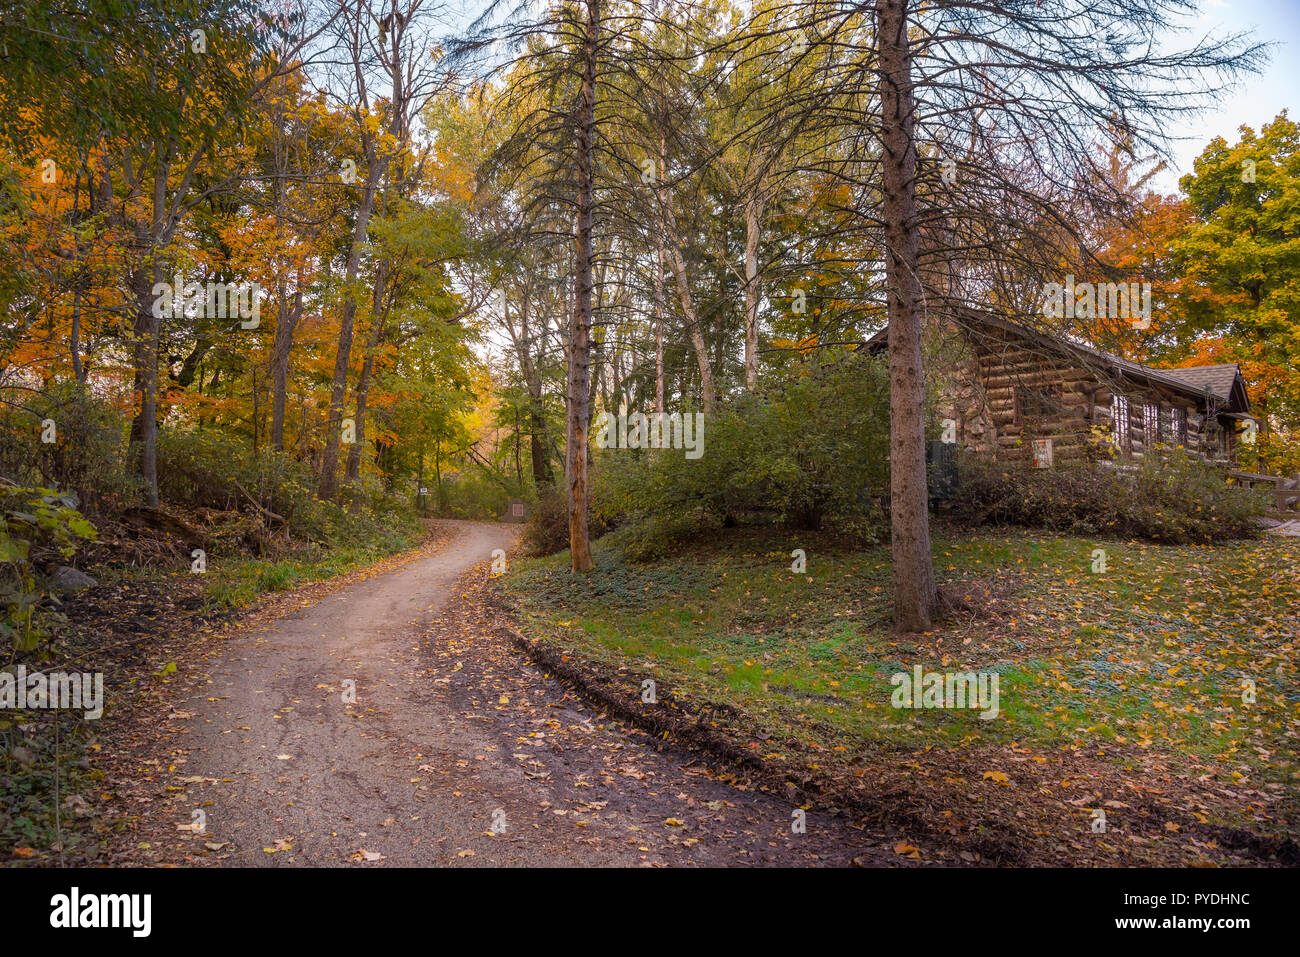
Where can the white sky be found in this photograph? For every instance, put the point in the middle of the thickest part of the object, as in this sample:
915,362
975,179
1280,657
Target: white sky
1259,98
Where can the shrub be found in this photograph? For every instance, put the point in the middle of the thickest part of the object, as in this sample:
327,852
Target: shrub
547,530
38,526
88,456
812,451
201,468
206,469
471,494
1171,499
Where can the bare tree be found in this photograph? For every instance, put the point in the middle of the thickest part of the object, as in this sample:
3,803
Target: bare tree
979,125
573,56
915,595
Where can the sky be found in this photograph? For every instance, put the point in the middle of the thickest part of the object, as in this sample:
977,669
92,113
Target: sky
1259,97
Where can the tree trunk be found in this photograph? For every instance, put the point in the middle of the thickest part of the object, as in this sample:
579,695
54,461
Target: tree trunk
437,468
334,425
659,330
285,326
377,323
543,473
915,596
79,282
519,441
352,471
595,378
144,428
148,327
753,216
694,331
659,288
579,385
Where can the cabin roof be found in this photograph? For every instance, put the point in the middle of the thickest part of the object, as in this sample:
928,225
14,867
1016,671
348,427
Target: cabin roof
1224,381
1220,378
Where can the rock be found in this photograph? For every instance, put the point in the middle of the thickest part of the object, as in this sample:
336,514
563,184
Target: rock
67,578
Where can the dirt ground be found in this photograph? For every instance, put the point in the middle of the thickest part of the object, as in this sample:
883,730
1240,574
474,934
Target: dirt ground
455,749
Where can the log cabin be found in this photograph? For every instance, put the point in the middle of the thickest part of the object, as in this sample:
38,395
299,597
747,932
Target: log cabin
1021,395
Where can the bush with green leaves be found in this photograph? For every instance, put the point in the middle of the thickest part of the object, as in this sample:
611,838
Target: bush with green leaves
87,456
547,529
207,469
38,527
810,452
470,493
202,468
1171,498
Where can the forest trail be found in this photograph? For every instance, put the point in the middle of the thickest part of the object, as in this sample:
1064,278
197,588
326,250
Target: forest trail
457,750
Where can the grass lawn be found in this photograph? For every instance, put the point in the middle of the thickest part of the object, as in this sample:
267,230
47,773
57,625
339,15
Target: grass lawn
1121,686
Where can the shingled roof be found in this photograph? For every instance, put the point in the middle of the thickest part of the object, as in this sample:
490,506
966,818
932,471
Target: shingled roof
1219,378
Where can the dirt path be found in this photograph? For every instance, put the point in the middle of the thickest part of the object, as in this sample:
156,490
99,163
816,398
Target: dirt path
456,750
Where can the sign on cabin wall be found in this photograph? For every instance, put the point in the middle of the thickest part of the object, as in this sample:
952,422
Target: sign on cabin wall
1042,453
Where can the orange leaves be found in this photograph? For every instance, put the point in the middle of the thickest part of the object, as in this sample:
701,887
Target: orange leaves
907,850
804,345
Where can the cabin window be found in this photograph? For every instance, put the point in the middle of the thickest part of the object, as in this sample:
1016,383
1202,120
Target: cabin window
1166,424
1180,427
1041,403
1150,418
1119,423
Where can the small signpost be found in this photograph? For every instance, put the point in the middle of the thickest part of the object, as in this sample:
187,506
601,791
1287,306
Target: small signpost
516,511
1042,453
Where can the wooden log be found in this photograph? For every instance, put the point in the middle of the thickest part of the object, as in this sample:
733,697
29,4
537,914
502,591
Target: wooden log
257,505
155,520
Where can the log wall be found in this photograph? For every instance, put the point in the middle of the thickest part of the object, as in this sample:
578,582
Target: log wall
994,396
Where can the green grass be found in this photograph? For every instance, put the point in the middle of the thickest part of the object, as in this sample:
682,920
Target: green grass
1151,653
239,581
236,581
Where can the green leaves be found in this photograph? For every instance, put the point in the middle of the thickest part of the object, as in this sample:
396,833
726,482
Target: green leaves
12,550
35,524
812,450
1241,260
